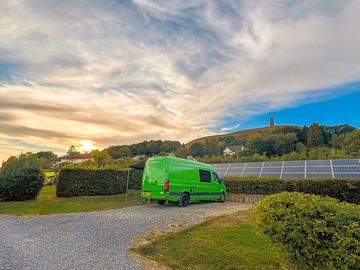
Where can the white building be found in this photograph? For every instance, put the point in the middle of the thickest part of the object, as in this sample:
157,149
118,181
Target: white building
232,150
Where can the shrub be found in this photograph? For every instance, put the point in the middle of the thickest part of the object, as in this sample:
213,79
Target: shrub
88,182
320,233
21,178
342,189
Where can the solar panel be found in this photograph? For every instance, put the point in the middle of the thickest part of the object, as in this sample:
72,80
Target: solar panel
345,162
292,175
293,169
222,165
254,165
271,170
270,174
252,170
273,164
340,168
295,163
234,165
347,175
318,163
318,175
348,169
318,170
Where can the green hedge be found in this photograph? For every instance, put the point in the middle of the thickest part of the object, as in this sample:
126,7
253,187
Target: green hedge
21,184
320,233
88,182
342,189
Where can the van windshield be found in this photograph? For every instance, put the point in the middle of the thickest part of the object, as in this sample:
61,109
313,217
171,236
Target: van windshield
217,178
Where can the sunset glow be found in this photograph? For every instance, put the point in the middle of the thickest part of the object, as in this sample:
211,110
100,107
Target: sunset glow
129,71
86,146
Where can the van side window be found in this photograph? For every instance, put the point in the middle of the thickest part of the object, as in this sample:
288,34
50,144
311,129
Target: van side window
205,176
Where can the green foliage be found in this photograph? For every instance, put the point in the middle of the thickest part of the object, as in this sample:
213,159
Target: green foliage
197,150
21,178
316,135
89,182
227,242
320,233
101,158
144,148
351,142
47,203
283,143
342,189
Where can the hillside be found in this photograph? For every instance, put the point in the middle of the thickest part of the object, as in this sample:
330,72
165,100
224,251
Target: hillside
246,133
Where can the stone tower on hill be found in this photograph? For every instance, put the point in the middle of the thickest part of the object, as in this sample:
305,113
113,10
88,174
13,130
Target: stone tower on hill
272,122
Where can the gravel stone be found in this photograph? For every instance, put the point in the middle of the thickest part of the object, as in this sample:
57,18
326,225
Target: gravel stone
92,240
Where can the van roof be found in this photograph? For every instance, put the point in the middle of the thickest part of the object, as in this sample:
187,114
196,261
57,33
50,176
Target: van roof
182,160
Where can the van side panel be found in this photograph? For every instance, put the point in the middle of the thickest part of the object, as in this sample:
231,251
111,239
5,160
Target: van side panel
183,176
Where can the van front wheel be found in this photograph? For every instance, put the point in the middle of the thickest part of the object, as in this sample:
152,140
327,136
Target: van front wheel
184,200
161,202
222,197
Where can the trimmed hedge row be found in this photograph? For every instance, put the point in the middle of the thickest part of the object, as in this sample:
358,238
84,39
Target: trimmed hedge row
319,233
89,182
21,184
342,189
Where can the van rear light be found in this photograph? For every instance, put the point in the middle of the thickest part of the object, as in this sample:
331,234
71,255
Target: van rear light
167,185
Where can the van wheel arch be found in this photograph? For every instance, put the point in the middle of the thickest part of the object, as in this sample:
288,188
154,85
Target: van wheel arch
222,197
184,199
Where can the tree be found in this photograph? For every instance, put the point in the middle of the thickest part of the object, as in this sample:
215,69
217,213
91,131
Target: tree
212,148
21,178
47,157
170,146
181,152
197,149
285,143
72,151
315,135
351,142
101,158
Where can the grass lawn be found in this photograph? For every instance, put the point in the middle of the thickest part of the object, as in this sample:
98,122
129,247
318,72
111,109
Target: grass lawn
47,203
226,242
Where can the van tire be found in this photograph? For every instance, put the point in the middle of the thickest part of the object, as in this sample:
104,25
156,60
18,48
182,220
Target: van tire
161,202
222,197
184,200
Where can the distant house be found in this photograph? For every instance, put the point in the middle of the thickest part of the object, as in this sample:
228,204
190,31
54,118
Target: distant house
76,158
139,157
232,150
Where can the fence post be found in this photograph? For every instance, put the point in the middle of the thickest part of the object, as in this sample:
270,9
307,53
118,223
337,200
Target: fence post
127,184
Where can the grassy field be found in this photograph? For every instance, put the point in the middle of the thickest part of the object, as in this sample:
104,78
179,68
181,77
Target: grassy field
47,203
227,242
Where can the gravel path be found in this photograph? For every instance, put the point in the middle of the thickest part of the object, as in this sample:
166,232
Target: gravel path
94,240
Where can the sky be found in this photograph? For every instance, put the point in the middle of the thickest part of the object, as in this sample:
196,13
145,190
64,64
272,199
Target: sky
118,72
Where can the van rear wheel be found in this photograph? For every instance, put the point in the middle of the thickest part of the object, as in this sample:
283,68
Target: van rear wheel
222,197
161,202
184,200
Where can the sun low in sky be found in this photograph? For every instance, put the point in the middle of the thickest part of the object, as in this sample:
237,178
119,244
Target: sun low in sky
119,72
86,146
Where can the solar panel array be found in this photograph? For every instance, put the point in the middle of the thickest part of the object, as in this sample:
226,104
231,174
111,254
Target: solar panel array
337,168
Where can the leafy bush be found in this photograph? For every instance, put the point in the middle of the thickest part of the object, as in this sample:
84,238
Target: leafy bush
88,182
342,189
320,233
21,178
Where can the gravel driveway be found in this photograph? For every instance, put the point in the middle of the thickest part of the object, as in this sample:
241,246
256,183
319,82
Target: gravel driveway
94,240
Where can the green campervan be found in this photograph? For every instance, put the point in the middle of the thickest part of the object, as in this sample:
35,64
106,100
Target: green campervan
180,180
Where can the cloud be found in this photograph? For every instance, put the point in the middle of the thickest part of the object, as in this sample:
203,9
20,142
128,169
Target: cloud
118,72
